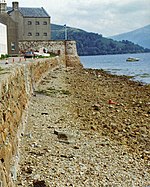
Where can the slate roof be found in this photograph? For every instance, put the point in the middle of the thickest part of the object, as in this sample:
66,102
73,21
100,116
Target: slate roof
9,9
31,12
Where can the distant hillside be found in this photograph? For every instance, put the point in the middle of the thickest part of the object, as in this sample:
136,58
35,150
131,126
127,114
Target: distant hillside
94,44
139,36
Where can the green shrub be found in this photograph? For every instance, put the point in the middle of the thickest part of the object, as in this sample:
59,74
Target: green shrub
4,56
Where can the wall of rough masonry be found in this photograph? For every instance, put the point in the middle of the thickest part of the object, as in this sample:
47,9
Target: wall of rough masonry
16,88
66,49
57,47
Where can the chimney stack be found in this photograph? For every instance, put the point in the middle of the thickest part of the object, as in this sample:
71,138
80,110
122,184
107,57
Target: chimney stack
15,5
3,6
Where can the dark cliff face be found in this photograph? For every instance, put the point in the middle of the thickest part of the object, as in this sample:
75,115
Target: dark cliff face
93,43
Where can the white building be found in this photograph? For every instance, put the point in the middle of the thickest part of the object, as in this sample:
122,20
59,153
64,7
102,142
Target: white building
3,39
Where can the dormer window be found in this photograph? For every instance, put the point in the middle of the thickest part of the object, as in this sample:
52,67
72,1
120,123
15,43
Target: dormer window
29,34
29,22
37,23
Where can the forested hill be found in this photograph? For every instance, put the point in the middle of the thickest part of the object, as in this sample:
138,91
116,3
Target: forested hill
94,44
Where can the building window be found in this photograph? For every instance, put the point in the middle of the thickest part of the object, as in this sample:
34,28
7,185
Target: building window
29,34
37,34
37,23
12,46
45,23
45,34
29,22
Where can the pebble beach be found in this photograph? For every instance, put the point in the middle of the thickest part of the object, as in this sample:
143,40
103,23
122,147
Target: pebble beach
86,128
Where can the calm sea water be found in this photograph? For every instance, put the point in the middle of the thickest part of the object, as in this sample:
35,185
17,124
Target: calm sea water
116,64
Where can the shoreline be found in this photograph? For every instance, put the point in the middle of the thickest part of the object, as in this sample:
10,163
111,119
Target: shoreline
137,92
129,77
116,64
86,128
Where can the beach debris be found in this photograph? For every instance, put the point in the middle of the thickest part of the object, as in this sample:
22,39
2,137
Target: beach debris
111,102
76,147
44,113
64,137
61,135
96,107
66,156
93,128
29,170
38,183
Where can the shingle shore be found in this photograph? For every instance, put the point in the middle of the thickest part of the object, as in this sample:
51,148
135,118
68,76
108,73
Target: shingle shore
86,128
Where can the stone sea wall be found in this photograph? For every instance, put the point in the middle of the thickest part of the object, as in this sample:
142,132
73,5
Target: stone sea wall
58,47
17,83
66,49
16,87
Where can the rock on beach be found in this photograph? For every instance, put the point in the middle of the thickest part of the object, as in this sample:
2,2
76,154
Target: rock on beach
106,116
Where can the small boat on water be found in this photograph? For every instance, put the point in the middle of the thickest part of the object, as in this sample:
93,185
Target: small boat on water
132,59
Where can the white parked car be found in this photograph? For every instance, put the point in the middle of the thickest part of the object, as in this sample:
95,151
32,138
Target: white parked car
41,54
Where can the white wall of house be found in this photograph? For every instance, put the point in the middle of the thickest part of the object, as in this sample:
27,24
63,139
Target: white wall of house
3,39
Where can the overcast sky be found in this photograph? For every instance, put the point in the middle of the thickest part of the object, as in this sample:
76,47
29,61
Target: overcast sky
107,17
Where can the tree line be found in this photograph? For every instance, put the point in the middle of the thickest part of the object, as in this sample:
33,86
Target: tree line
95,44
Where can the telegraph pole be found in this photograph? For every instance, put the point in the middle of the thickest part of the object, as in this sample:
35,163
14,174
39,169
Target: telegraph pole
65,28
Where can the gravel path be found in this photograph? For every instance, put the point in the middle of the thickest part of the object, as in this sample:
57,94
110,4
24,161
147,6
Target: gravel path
57,150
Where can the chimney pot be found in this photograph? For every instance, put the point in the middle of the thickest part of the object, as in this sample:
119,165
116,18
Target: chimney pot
15,5
3,6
